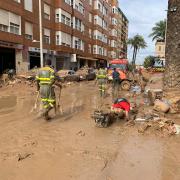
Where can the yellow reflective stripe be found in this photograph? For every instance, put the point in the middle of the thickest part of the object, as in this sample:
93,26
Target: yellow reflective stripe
51,104
51,100
45,106
47,100
101,76
44,79
44,100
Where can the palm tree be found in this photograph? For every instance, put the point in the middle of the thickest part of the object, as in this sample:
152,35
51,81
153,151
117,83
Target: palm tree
137,43
159,31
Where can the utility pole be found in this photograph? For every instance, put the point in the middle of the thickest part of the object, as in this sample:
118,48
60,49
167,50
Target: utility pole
40,33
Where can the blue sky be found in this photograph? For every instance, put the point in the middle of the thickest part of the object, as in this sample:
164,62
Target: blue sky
142,15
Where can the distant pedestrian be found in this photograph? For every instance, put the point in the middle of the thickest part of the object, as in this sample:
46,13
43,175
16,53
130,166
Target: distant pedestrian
115,83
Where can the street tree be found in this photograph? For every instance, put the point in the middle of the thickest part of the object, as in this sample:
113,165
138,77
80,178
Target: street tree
149,61
137,43
159,31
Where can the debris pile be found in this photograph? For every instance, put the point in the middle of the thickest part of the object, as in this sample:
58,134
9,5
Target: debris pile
163,125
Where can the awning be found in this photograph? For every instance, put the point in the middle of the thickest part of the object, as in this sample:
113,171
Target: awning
87,58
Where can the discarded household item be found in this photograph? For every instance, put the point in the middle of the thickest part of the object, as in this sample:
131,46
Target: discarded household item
102,119
161,106
136,89
144,127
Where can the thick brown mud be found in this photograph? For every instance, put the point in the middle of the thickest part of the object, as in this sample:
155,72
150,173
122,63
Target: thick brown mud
71,147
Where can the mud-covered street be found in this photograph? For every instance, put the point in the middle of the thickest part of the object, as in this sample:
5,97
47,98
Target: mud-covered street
72,147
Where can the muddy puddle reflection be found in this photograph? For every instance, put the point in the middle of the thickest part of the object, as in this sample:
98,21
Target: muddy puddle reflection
7,102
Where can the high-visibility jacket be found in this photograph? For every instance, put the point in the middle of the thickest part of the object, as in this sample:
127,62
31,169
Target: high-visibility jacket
102,74
45,75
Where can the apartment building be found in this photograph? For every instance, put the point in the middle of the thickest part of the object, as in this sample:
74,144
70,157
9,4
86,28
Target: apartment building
160,49
122,34
75,33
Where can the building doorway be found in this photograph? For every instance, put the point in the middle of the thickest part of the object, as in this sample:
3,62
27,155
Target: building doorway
34,60
7,59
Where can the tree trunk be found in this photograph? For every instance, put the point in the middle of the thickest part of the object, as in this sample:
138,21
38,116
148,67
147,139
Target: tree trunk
172,70
133,55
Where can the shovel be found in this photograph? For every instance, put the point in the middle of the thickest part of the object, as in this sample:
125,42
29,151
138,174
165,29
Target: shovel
58,106
35,105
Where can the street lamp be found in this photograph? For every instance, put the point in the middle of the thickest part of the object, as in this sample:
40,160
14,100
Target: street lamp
40,33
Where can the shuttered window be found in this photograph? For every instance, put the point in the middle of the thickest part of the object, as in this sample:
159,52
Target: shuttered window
4,17
28,5
47,36
28,31
47,11
15,22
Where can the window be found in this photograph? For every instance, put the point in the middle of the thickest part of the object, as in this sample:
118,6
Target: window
90,17
14,28
114,21
78,44
63,19
28,31
46,36
57,40
4,20
68,2
57,18
90,2
79,7
68,21
90,33
46,11
63,38
18,1
95,49
28,5
3,28
15,22
105,11
79,25
89,48
114,10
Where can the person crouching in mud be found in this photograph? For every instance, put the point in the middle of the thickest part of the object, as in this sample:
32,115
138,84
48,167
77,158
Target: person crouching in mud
121,104
46,79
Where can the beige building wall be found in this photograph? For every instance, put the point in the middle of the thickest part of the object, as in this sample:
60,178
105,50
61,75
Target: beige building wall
160,49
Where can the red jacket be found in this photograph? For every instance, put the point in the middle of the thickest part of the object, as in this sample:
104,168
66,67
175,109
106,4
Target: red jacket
122,105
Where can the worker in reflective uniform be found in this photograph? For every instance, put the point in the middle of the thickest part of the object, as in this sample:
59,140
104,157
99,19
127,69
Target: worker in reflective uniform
45,85
101,77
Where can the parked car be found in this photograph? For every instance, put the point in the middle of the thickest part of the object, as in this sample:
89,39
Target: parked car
91,75
68,75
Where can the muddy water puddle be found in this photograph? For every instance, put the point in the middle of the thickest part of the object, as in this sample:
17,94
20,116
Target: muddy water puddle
7,102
